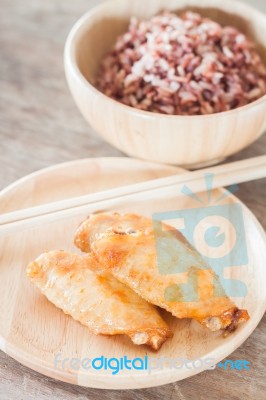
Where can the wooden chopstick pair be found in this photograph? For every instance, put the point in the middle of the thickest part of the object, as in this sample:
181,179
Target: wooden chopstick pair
223,175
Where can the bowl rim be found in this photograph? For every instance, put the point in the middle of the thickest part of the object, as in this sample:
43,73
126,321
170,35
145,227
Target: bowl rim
70,63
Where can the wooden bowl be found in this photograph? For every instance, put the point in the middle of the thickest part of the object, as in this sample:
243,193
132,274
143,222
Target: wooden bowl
183,140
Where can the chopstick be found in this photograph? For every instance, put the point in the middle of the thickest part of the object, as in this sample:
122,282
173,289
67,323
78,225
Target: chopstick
223,175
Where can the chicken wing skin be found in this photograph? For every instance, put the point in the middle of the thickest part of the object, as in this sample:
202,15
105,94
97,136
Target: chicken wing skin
126,246
98,224
77,285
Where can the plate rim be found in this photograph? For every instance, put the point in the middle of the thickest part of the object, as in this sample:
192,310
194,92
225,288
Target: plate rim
143,380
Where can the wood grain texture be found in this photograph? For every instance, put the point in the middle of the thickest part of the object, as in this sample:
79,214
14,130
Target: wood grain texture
152,136
40,126
33,331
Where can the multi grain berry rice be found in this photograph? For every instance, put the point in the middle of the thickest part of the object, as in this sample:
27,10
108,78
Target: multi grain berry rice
182,65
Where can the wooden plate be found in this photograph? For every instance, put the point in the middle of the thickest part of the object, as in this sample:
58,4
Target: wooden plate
33,331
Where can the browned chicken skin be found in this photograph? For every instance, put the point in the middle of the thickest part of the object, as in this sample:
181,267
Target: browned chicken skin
77,285
125,246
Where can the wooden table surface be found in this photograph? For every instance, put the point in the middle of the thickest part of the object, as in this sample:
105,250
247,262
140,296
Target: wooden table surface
40,126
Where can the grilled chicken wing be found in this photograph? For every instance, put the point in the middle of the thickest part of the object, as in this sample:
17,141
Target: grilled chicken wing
97,299
125,245
99,224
